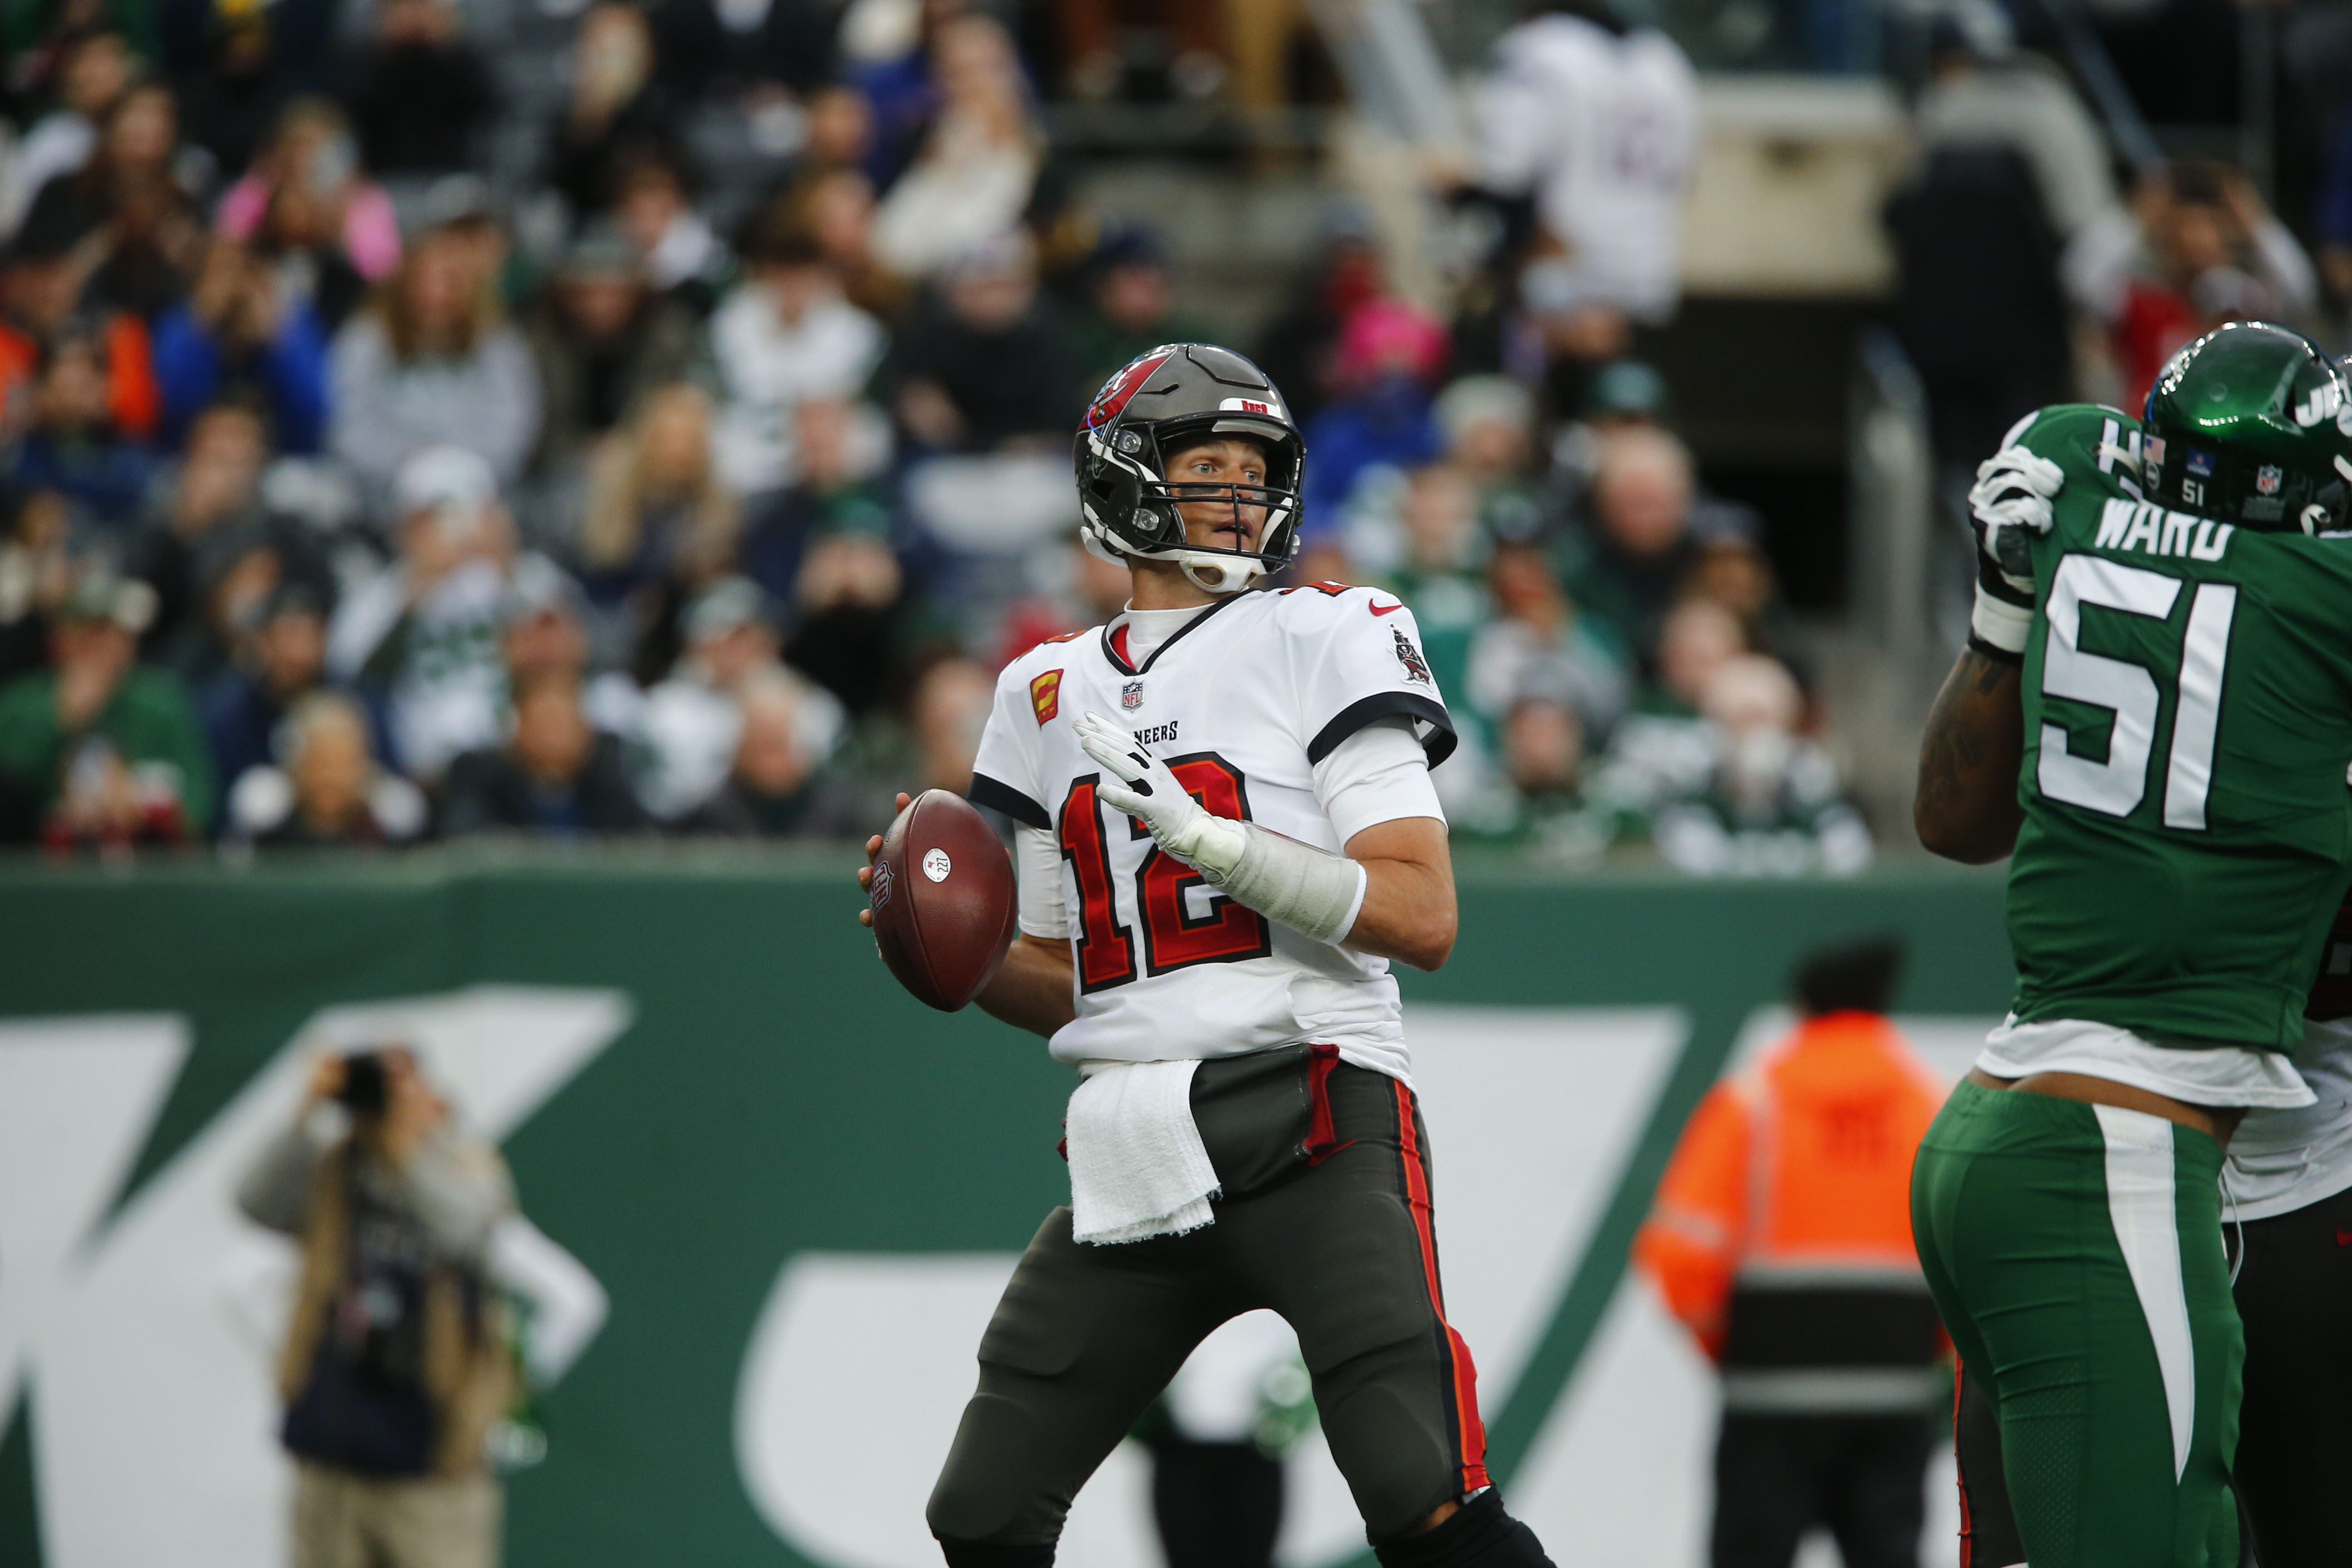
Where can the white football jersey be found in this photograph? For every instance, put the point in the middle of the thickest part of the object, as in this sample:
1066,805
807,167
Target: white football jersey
1241,704
2281,1161
1603,131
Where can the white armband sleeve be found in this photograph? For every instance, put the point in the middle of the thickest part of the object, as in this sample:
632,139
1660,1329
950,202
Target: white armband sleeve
1037,863
1378,775
1310,890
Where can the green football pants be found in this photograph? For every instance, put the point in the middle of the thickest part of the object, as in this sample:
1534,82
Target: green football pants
2075,1253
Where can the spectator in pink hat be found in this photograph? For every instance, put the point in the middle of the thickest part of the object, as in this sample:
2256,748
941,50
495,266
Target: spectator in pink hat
313,160
1388,362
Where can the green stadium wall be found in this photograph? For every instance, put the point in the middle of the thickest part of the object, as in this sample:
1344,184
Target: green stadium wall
725,1079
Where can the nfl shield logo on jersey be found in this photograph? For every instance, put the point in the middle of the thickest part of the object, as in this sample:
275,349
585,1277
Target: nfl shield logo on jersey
1131,695
2266,479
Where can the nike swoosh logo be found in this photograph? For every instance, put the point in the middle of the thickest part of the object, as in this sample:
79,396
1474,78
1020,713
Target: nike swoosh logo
1388,609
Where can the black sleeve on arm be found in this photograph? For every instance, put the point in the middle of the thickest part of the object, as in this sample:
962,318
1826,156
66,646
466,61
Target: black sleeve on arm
1438,742
1003,797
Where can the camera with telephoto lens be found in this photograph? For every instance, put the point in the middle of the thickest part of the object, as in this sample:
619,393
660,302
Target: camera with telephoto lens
363,1090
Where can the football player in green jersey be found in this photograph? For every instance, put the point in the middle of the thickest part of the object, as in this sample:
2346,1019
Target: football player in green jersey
2156,711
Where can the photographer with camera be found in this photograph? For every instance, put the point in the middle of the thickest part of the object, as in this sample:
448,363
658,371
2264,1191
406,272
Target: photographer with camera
396,1362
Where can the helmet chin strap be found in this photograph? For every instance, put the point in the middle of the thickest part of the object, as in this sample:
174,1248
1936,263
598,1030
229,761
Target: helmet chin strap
1217,573
1205,570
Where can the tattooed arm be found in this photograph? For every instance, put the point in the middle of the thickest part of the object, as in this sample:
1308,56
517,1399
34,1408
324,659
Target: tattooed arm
1967,807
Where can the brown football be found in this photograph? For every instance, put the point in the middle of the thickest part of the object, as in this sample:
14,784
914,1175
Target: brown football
942,895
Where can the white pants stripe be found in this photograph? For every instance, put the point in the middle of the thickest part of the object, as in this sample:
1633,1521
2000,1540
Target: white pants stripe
2141,1202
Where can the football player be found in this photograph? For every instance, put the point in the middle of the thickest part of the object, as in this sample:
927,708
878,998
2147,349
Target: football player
2288,1204
2289,1187
2154,710
2287,1195
1226,831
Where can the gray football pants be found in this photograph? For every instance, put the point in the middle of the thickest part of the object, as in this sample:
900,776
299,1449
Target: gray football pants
1341,1243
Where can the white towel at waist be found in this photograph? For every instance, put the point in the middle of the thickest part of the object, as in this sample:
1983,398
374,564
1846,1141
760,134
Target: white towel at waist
1137,1168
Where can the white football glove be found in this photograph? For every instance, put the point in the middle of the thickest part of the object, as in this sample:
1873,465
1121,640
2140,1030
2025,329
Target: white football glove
1148,792
2008,504
1308,889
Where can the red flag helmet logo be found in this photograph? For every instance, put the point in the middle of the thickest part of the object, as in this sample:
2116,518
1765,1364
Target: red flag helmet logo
1125,384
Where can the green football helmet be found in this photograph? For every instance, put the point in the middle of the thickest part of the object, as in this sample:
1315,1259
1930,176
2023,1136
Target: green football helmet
2251,424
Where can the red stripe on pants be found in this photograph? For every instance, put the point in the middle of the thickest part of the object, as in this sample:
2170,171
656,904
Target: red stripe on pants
1322,1134
1960,1479
1469,1432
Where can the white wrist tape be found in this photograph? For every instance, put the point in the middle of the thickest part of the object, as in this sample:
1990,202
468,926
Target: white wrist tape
2000,624
1311,890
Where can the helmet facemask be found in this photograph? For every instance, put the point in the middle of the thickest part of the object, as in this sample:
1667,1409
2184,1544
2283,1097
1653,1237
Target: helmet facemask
1162,405
1156,530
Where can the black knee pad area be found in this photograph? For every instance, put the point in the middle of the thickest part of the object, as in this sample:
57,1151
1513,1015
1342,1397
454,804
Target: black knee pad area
1479,1535
974,1554
1384,1420
990,1474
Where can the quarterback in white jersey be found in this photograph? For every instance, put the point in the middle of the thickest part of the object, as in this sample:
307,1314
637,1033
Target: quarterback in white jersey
1307,710
1225,831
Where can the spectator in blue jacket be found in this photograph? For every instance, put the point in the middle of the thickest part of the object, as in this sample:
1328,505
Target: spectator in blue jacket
283,662
242,332
1386,367
78,445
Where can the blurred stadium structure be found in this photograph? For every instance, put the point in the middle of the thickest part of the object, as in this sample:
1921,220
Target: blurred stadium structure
483,420
680,1064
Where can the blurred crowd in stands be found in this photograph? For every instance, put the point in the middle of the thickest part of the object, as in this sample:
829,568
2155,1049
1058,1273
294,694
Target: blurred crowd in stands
434,417
2043,258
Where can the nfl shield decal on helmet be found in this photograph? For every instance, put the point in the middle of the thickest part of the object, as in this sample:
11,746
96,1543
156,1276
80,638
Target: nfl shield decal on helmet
1410,657
2266,479
1131,695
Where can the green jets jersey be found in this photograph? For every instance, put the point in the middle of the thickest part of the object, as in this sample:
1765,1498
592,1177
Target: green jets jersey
2188,694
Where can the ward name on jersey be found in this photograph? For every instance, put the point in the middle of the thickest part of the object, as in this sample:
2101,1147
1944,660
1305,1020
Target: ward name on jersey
1242,703
2188,707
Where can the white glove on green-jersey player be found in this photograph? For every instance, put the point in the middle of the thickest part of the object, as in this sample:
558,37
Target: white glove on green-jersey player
2008,504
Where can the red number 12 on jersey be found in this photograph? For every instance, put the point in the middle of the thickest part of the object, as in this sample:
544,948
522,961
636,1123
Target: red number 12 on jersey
1173,938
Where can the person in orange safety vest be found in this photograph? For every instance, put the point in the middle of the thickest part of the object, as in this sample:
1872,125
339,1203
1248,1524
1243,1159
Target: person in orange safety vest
1781,1238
